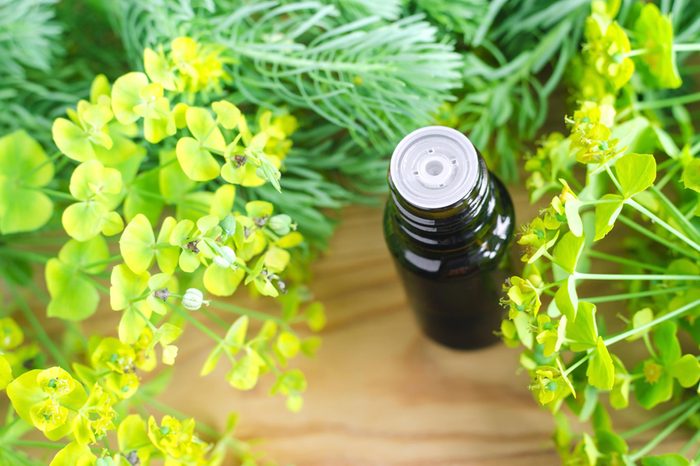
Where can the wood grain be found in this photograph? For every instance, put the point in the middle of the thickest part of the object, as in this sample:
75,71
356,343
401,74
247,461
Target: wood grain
379,392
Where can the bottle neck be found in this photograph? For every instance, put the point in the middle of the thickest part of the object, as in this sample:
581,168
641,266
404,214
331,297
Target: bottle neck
450,226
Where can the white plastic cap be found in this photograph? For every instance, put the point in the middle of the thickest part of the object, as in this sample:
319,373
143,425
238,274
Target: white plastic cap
434,167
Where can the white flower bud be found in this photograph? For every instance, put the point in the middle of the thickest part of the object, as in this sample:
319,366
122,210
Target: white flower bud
226,257
193,299
281,224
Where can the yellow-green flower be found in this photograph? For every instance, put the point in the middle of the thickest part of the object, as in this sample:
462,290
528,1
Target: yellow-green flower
606,50
48,399
11,335
177,441
654,36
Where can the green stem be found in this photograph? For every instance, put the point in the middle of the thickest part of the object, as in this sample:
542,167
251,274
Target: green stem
622,276
248,312
687,225
624,261
663,318
694,47
41,334
29,255
200,326
49,160
575,365
214,318
660,419
693,440
635,53
58,194
101,287
638,294
102,262
613,178
668,430
36,444
644,211
301,63
651,235
670,175
669,102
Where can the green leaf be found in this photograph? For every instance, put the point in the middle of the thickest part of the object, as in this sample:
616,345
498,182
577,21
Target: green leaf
600,372
203,127
606,213
654,34
144,197
691,175
71,140
227,114
686,370
84,220
132,435
640,318
650,394
211,362
222,281
137,244
582,332
666,342
288,344
567,251
635,172
244,373
24,170
235,336
573,218
73,296
315,315
126,286
133,322
92,180
167,256
197,162
126,94
157,68
259,209
74,454
88,256
5,372
670,459
566,298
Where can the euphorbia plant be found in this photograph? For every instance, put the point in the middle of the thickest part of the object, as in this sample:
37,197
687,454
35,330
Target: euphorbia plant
639,194
147,183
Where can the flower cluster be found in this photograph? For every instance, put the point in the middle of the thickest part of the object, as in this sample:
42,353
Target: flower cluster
160,174
565,336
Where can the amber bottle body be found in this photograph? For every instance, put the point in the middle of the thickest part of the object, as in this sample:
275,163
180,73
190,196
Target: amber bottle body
453,260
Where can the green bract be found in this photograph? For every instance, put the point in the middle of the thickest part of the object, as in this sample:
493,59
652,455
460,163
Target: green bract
624,246
24,170
74,295
194,153
135,193
98,188
47,399
654,34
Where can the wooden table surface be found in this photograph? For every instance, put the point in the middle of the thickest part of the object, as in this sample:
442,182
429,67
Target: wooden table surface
379,392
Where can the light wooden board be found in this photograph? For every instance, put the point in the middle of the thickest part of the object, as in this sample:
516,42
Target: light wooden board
379,392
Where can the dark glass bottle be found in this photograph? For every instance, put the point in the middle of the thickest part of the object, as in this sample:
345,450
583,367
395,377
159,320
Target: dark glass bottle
448,224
